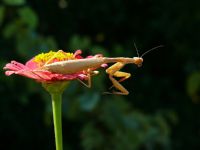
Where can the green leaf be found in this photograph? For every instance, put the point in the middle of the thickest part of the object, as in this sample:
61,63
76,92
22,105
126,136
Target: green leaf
51,43
118,50
89,142
14,2
78,42
88,101
98,50
2,13
9,30
25,43
29,17
193,85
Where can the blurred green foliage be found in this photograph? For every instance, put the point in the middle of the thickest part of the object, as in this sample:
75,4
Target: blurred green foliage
162,109
193,86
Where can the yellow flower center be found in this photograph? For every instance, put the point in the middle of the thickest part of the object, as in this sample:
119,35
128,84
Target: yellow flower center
50,57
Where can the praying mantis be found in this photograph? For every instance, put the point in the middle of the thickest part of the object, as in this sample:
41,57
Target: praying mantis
89,64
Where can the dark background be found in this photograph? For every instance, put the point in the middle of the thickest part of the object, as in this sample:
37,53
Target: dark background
160,113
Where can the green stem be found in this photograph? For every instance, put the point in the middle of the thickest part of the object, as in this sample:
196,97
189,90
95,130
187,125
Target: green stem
57,117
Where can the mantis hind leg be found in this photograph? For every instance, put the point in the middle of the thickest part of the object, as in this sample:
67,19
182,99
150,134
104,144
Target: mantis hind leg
90,73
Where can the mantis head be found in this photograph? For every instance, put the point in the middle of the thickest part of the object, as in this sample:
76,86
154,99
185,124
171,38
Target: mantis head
138,61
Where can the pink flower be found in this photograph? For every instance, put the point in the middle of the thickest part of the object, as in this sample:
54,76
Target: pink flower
32,68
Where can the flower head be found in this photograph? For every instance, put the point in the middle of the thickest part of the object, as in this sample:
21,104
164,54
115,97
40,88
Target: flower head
32,68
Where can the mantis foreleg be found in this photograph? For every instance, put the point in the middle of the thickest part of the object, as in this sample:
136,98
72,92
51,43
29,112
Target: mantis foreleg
113,71
122,75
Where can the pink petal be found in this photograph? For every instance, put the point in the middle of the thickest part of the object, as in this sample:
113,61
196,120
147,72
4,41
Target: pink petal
31,64
28,73
82,76
77,54
90,56
14,66
104,65
8,73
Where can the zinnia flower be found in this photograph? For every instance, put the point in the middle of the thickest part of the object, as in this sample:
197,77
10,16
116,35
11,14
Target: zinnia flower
54,83
32,68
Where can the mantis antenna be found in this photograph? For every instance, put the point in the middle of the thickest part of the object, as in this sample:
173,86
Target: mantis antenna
151,50
136,49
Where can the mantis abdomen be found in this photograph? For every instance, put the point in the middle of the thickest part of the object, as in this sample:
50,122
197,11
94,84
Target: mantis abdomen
74,66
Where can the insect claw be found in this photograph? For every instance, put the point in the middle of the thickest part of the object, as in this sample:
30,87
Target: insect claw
111,87
105,93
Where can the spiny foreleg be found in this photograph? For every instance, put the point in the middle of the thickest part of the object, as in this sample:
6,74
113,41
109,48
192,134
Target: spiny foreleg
113,71
122,75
